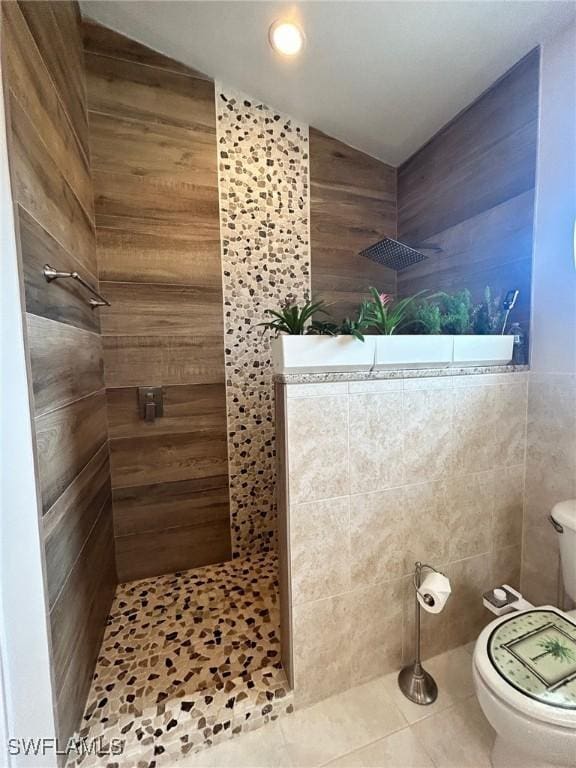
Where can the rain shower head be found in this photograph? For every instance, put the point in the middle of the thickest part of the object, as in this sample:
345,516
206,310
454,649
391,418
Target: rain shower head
392,254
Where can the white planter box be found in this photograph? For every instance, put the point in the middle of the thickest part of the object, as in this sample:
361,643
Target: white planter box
482,350
322,354
414,351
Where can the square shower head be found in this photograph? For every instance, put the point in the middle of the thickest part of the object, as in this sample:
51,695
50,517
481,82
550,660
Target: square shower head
392,254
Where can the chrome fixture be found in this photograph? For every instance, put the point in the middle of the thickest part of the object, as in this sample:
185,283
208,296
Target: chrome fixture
415,683
508,305
395,255
150,402
53,274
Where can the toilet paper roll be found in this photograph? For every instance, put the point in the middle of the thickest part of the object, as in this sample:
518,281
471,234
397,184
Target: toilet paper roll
437,586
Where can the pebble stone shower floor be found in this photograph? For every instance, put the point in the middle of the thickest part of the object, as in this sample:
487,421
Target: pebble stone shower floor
188,660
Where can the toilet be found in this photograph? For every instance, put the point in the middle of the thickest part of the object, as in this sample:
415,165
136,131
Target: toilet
525,671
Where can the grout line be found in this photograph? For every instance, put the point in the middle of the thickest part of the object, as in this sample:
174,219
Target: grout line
101,391
90,218
64,324
81,552
52,236
199,76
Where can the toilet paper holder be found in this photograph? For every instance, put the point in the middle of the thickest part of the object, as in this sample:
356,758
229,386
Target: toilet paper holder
415,683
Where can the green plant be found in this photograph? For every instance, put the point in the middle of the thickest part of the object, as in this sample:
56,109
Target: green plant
487,316
386,314
556,648
348,327
322,328
445,313
426,319
293,319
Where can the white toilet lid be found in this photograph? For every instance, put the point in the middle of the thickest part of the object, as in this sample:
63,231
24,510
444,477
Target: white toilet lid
535,652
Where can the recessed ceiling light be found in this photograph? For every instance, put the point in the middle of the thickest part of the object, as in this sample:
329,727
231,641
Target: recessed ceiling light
286,38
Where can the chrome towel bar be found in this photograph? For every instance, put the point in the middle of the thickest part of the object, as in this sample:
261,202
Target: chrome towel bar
53,274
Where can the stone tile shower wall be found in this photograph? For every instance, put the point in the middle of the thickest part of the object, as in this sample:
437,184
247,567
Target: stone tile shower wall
264,225
380,474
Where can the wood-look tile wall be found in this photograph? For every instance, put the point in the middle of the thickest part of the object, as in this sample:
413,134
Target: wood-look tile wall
152,128
352,206
470,192
42,63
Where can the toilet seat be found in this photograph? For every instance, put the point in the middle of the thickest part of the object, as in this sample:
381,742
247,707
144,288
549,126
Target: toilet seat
546,708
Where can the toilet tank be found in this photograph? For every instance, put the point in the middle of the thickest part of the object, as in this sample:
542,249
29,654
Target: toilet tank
564,517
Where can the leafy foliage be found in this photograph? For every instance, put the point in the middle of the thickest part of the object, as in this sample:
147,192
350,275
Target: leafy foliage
487,316
455,312
322,328
426,319
292,319
438,313
348,327
442,313
386,314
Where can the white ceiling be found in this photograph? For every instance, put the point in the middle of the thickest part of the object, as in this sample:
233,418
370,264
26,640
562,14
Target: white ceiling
381,76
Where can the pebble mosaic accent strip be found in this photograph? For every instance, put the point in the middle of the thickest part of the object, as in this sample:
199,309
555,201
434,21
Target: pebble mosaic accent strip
188,660
264,227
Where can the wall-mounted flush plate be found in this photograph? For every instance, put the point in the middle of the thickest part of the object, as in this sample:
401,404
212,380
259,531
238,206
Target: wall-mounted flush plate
150,402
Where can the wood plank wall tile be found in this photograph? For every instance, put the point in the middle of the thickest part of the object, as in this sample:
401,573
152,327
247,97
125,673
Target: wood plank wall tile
470,191
66,440
106,42
161,150
64,300
68,523
142,199
74,688
66,362
187,408
78,618
40,188
132,361
56,32
482,158
153,148
151,94
32,86
172,549
138,255
51,185
144,508
352,206
142,309
168,458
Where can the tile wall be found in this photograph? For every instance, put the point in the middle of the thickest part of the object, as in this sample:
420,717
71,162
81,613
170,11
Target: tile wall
153,149
380,474
264,200
550,478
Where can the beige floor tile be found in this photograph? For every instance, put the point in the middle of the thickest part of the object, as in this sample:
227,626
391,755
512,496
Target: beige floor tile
452,672
458,737
414,712
399,750
263,748
341,724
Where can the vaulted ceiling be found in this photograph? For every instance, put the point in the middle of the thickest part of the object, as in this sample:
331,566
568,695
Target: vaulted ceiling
381,76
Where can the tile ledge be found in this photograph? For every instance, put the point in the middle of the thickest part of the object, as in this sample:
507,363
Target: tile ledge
396,373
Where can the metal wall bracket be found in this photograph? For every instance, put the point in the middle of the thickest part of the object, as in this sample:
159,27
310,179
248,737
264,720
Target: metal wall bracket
150,402
53,274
